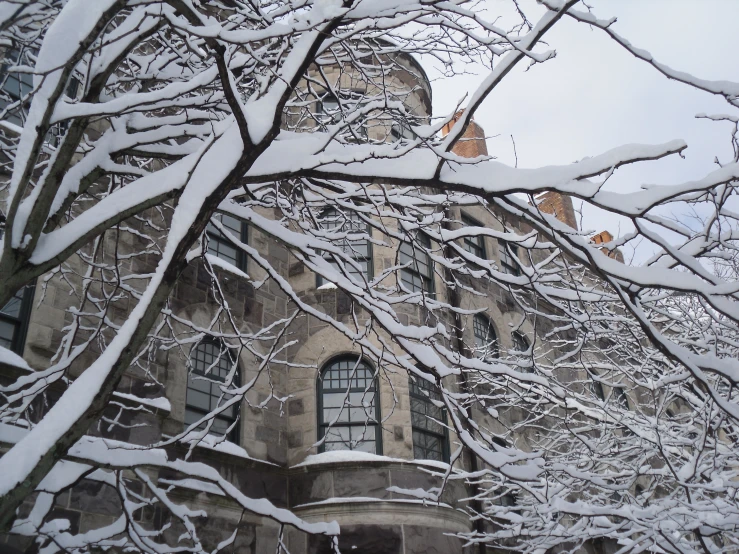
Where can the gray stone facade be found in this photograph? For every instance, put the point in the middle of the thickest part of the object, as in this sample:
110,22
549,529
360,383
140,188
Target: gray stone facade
279,420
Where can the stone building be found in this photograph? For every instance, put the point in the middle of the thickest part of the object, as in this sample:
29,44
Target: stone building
282,447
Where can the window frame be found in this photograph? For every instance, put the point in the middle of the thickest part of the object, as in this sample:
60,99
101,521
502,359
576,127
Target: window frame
426,399
320,391
234,435
369,258
621,398
400,131
428,280
70,91
20,322
478,318
517,339
596,387
23,319
216,236
468,243
324,118
507,263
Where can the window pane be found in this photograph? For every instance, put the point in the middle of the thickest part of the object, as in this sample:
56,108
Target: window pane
428,431
345,224
7,332
219,244
418,275
348,397
13,307
211,365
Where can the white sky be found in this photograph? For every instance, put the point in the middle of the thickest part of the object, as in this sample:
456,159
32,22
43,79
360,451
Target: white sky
594,96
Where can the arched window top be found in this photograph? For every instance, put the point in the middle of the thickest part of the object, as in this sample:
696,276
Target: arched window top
348,406
213,368
486,340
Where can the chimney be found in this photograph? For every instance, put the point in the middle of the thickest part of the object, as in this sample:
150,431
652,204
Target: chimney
559,205
472,144
604,237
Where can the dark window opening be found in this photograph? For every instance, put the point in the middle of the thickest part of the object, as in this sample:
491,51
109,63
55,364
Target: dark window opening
14,318
329,112
210,366
418,276
348,407
15,87
401,131
221,245
521,345
360,250
596,388
520,342
621,397
507,263
428,422
486,340
475,245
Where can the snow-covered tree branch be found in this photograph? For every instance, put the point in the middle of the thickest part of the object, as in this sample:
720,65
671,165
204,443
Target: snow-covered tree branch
155,150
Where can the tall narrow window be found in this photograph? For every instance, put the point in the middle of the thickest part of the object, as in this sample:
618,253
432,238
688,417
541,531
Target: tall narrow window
211,363
520,342
14,317
430,440
475,245
221,245
418,276
486,341
521,345
597,389
348,411
15,87
507,263
620,394
347,226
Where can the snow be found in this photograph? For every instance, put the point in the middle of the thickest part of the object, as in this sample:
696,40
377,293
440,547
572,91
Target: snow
193,484
211,168
11,358
223,264
353,456
160,403
365,499
75,22
11,434
219,445
327,286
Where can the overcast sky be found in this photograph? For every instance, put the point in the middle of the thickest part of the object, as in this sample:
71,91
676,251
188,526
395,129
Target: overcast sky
594,96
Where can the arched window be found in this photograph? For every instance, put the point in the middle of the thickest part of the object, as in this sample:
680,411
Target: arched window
486,341
347,406
360,250
210,366
430,440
